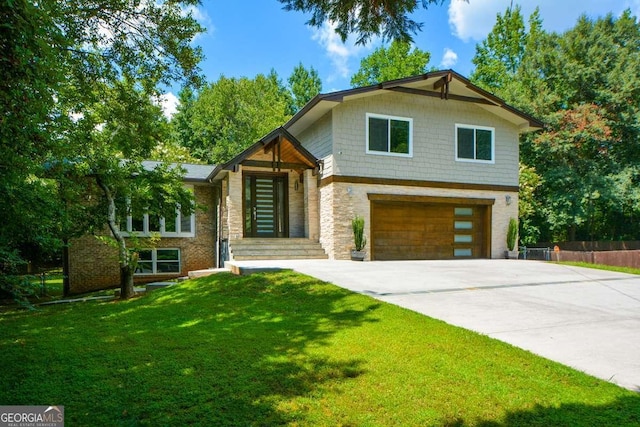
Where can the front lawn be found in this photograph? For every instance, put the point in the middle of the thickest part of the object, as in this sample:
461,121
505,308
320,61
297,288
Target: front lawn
628,270
282,348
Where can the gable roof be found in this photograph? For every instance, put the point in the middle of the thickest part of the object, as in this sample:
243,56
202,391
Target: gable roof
446,85
287,151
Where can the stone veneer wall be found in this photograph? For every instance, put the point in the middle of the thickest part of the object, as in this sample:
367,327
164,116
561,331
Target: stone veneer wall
93,265
340,202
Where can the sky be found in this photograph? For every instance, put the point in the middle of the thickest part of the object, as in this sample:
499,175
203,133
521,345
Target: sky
249,37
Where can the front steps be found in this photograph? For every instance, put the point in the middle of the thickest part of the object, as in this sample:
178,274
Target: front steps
266,249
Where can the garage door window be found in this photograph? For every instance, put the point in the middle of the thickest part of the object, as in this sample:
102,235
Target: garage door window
389,135
463,229
475,143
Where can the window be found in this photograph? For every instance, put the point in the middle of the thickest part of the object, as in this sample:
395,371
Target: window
178,226
158,261
145,224
475,143
389,135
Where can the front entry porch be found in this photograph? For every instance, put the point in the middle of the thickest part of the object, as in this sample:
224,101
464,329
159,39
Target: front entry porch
269,202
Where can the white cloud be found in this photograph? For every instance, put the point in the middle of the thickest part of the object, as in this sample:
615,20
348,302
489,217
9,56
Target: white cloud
473,19
338,52
449,59
169,103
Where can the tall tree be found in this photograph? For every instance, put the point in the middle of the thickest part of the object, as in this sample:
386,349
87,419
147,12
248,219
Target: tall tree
580,84
65,61
366,19
389,63
499,57
304,85
230,114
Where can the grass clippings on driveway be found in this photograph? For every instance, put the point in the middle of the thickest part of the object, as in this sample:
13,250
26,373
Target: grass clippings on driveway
283,348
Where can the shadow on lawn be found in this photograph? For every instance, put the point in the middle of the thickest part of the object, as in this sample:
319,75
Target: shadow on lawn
624,411
222,350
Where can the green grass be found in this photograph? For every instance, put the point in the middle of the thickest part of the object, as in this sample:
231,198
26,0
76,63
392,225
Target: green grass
282,348
627,270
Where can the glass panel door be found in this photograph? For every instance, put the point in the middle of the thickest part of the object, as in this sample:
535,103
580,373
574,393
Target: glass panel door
265,206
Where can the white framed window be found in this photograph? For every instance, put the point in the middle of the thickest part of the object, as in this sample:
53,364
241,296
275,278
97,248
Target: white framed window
178,226
158,261
146,224
475,143
389,135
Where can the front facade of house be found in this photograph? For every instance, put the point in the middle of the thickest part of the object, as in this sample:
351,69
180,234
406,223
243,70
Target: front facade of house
430,162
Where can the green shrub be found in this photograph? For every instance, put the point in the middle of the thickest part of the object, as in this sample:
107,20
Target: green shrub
512,234
357,223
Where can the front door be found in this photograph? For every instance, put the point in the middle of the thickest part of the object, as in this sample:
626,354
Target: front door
265,205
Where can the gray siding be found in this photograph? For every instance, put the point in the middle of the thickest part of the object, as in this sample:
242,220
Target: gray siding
433,141
317,137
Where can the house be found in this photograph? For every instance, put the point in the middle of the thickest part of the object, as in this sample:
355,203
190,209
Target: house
430,162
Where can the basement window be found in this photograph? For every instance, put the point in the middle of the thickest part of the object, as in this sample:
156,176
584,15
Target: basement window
158,261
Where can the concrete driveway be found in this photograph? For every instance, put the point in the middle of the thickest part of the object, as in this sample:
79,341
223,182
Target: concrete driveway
585,318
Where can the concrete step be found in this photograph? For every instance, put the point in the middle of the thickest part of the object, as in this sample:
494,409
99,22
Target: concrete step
270,249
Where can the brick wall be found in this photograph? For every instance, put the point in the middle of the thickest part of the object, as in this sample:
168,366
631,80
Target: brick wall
93,265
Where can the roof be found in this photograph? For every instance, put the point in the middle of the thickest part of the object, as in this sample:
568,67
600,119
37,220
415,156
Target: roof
287,151
193,172
446,85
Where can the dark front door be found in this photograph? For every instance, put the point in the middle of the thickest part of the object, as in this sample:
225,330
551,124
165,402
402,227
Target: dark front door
265,206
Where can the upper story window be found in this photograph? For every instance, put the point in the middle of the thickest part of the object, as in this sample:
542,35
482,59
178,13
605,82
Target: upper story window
389,135
145,224
475,143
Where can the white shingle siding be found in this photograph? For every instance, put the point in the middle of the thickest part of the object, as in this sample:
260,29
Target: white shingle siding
433,158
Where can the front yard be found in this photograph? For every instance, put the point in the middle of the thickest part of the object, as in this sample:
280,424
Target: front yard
283,348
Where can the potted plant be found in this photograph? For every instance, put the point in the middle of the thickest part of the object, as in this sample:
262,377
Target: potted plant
512,238
357,224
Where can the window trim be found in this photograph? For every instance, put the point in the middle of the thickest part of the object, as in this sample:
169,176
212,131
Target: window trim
145,224
388,118
154,262
474,128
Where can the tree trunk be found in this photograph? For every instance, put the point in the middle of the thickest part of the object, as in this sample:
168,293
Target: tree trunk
126,282
127,267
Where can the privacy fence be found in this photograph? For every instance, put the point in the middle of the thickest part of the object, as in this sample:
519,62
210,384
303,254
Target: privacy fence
621,254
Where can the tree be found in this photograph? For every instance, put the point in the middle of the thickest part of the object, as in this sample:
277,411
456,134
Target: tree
230,114
304,85
580,83
366,19
499,57
395,62
76,88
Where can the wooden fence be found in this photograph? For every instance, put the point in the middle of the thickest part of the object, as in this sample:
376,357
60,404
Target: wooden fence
628,258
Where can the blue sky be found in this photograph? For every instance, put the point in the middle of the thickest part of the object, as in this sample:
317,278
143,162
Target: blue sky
248,37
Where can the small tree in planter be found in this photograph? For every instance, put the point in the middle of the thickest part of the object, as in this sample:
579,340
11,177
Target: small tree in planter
512,238
357,224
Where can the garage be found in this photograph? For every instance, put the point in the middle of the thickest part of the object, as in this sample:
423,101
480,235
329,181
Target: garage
420,227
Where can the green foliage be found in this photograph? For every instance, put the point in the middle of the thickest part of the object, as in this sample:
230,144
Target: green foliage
395,62
75,90
512,234
528,204
285,349
359,239
304,85
583,84
231,114
366,19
